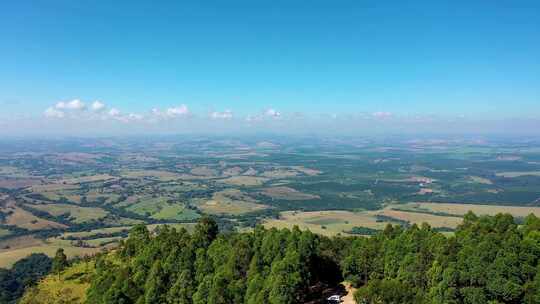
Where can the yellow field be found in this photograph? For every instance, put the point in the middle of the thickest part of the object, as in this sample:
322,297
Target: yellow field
77,214
53,187
230,201
88,179
480,180
279,173
154,174
325,222
434,221
7,258
19,242
518,174
245,180
307,171
27,220
461,209
337,222
232,171
203,171
69,288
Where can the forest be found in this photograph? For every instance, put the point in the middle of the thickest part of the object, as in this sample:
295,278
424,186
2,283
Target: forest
489,259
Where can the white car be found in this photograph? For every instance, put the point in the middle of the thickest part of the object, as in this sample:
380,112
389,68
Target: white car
334,299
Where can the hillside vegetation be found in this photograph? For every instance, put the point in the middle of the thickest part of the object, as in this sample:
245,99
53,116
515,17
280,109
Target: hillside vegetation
489,259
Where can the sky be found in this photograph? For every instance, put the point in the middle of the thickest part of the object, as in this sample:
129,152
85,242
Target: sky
100,67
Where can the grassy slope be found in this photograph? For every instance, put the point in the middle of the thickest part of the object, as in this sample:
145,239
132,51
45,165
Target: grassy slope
69,287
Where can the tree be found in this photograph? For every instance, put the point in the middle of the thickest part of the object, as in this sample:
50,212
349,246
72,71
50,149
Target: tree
59,262
206,231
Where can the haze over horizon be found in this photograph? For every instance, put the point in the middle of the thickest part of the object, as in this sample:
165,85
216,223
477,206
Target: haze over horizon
317,67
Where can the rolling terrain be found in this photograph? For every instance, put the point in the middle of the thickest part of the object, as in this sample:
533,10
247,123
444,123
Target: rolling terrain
52,191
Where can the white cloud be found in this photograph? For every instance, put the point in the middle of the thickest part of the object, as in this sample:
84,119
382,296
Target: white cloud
181,110
114,112
227,114
97,106
70,105
381,115
53,113
272,113
133,116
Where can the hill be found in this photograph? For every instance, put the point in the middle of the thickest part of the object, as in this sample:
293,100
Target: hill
490,259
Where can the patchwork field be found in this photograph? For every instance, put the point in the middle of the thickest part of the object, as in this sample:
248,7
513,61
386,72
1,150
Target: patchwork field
151,174
231,201
10,256
461,209
75,214
287,193
435,221
204,171
325,222
88,179
518,174
4,232
24,219
15,183
338,185
245,180
53,187
162,208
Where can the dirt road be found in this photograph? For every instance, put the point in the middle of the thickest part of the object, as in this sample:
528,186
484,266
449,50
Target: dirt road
349,298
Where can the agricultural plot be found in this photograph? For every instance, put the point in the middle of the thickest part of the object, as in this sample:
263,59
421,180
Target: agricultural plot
245,180
16,183
75,214
335,222
162,208
204,171
53,187
287,193
230,201
518,174
4,233
10,256
462,209
24,219
151,174
435,221
325,222
87,179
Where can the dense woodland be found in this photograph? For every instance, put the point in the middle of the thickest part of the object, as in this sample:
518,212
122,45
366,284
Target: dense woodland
488,259
266,266
23,274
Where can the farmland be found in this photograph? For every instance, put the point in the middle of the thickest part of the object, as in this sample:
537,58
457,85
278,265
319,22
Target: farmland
84,195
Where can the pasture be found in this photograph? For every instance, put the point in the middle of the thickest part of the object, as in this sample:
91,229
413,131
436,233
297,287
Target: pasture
76,214
245,180
230,201
24,219
461,209
287,193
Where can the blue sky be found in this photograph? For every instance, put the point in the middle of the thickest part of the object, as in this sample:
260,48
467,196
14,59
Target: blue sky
269,59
